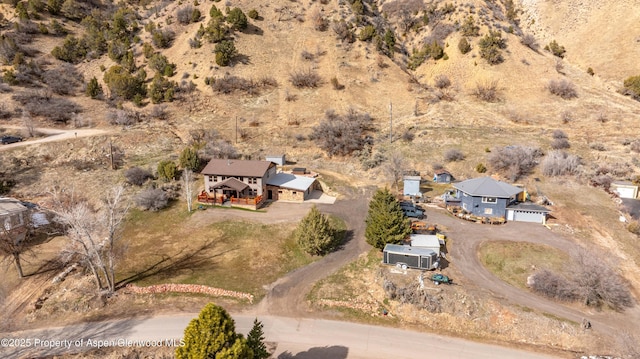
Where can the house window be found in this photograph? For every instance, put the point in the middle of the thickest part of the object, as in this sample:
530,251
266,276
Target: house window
489,200
294,193
488,211
280,191
253,180
211,179
241,179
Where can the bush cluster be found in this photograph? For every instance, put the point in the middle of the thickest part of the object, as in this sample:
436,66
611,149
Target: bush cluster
231,83
560,163
137,176
487,91
491,46
412,294
514,161
562,88
305,78
152,199
592,281
555,49
42,103
453,155
342,134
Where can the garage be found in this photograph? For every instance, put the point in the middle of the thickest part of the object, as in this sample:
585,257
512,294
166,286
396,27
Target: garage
527,212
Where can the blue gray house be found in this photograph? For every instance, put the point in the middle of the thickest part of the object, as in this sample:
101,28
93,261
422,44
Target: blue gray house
485,196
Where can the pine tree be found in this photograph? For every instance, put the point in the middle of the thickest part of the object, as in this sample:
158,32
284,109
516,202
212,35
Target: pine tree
213,335
315,234
93,88
167,170
255,340
385,221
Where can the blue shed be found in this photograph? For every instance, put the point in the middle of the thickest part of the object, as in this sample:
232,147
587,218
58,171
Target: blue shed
412,186
442,176
486,197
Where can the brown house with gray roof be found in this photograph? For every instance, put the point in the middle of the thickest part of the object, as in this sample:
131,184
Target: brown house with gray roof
237,178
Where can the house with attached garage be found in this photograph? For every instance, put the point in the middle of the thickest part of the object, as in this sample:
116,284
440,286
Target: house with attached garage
487,197
236,181
248,183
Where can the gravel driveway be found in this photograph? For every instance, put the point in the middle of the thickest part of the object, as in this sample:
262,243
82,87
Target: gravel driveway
463,254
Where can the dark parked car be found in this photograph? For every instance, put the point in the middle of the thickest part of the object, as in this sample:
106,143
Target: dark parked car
10,139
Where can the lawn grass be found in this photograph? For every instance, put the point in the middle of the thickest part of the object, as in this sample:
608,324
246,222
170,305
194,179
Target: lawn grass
513,262
162,247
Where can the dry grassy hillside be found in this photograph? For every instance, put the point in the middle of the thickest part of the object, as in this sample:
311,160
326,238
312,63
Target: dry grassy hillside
430,116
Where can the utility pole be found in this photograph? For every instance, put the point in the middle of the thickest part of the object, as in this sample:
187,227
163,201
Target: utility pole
111,154
390,122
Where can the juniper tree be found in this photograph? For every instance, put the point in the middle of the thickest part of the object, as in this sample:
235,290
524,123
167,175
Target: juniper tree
315,234
255,340
212,335
385,221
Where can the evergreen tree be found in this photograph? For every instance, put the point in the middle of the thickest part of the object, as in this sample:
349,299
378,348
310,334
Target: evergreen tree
94,90
189,159
225,52
315,234
213,335
167,170
385,221
255,340
237,19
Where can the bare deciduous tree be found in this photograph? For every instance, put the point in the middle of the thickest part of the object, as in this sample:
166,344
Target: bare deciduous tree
187,186
93,232
13,242
27,122
395,167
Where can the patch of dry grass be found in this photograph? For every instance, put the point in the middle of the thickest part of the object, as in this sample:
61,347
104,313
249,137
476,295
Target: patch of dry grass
513,262
243,256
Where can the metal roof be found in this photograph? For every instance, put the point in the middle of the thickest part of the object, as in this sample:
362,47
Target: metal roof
289,181
531,207
397,248
9,206
425,240
487,187
441,172
412,178
238,168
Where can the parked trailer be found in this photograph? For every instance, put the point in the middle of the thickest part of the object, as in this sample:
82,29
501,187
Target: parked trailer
409,257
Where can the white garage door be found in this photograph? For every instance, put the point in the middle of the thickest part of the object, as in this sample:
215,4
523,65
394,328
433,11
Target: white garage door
527,216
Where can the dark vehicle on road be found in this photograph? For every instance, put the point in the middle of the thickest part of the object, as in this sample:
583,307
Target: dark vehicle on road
10,139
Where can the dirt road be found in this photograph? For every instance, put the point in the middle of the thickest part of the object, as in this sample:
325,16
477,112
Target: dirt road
295,338
52,135
468,236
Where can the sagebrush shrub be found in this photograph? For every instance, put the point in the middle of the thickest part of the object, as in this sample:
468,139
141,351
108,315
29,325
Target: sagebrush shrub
560,163
305,78
152,199
453,155
137,176
562,88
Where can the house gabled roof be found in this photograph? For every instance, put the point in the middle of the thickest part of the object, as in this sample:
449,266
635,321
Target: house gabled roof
244,168
487,187
442,172
289,181
10,206
231,183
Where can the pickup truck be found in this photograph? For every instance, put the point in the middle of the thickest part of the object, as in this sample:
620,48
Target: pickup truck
413,212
